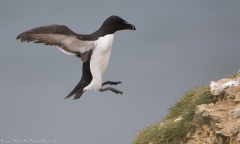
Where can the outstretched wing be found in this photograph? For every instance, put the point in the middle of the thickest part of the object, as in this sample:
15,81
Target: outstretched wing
62,37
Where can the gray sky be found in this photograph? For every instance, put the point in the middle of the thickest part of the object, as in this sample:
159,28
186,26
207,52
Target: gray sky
178,45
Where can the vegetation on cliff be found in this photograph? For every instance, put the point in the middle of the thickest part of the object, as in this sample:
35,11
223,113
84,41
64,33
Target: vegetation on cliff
174,127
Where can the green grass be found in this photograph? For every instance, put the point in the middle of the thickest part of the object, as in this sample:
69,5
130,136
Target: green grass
171,132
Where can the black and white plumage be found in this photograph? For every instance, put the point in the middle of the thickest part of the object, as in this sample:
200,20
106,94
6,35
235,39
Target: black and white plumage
93,49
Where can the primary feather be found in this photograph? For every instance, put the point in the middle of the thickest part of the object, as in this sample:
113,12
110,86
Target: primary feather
62,37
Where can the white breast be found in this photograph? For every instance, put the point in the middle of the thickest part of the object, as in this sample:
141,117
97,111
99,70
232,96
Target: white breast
99,60
101,53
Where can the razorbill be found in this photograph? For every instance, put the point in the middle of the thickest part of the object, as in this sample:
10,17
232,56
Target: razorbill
93,49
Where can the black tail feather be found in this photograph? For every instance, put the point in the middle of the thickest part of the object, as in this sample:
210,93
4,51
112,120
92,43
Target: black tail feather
77,91
78,95
85,80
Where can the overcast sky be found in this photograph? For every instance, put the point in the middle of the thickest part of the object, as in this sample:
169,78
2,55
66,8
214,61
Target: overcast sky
178,45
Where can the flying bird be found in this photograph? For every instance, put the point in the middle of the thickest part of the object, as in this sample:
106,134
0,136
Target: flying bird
93,49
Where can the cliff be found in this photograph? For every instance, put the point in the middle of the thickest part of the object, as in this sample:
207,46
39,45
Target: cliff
204,115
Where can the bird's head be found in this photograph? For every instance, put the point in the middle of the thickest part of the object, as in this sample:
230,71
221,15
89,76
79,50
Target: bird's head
115,23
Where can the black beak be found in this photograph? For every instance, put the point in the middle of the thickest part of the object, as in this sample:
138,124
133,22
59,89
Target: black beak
130,26
133,27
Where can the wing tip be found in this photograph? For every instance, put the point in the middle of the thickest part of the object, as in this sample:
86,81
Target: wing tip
23,37
19,36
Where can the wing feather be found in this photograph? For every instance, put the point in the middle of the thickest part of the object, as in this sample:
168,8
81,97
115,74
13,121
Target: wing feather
62,37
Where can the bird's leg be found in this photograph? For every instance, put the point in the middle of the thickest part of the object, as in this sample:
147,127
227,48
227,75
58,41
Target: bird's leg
111,83
111,89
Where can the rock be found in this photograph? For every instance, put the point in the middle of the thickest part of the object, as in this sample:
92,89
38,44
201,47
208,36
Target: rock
178,119
238,138
219,123
235,129
218,88
216,126
206,128
235,113
237,97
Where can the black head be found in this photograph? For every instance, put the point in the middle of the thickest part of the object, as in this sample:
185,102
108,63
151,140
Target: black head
115,23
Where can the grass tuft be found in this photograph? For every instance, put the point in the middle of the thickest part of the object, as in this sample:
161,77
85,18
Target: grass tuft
169,132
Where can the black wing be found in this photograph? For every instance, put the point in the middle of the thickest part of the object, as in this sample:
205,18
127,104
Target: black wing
62,37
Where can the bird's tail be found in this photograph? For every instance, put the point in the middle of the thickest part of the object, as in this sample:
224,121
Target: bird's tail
77,91
85,80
